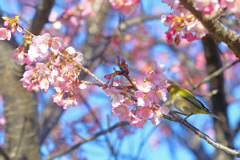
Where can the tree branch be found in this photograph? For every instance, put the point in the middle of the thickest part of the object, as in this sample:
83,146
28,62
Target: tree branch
215,74
41,17
215,28
174,117
137,20
86,140
50,115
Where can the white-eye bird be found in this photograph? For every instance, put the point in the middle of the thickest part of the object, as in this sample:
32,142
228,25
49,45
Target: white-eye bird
184,101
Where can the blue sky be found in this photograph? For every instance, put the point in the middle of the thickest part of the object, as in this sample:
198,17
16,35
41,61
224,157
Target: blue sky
168,148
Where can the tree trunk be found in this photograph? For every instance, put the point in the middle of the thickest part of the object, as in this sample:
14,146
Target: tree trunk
219,103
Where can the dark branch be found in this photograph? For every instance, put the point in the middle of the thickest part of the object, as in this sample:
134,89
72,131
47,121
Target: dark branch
174,117
86,140
215,28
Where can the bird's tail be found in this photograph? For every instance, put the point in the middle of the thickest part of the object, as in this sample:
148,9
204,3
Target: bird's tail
215,116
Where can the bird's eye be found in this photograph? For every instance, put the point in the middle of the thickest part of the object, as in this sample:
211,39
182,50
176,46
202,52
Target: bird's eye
169,88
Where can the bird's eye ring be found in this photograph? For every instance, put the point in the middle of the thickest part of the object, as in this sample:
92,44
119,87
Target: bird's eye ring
169,88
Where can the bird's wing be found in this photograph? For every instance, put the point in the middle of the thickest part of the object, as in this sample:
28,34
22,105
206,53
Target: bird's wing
197,103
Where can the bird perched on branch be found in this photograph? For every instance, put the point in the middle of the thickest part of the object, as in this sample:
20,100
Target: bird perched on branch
186,102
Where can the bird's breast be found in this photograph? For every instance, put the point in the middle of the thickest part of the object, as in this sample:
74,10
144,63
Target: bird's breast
183,105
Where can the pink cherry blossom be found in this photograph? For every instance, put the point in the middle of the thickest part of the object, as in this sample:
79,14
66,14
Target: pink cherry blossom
86,8
72,51
27,83
171,3
39,46
129,102
6,23
19,57
165,21
123,110
145,99
29,60
156,119
115,95
69,102
196,26
158,69
5,34
55,44
53,76
42,69
57,98
162,93
34,87
142,84
126,6
82,86
206,6
29,73
44,84
19,29
145,113
154,79
168,36
234,6
164,110
137,122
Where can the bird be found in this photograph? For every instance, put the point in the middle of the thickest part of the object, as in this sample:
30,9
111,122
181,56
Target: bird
184,101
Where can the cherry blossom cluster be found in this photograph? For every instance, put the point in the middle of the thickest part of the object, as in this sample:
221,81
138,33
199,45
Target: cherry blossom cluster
57,71
47,66
5,33
146,94
79,11
73,17
126,6
213,6
182,24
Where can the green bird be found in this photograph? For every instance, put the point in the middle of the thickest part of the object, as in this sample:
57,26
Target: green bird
184,101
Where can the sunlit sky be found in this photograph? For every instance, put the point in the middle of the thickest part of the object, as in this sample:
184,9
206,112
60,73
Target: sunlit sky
167,149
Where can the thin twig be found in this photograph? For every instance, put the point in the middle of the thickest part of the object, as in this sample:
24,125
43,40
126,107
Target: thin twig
90,138
186,76
217,145
98,122
144,140
129,79
215,74
82,68
137,20
91,83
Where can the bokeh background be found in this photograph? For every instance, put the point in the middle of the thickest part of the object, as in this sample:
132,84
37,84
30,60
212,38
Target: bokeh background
33,127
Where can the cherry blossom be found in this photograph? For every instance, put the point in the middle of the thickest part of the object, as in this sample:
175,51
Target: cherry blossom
77,58
145,113
5,34
48,66
163,110
144,99
137,122
18,57
142,84
123,110
115,95
126,6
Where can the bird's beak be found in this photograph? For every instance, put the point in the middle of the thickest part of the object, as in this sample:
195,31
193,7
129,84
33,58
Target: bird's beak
167,84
